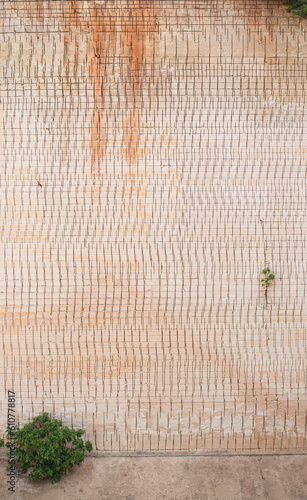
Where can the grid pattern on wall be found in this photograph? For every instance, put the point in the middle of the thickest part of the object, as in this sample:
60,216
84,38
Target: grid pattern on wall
152,162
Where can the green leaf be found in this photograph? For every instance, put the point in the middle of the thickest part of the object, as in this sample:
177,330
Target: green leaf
88,446
298,7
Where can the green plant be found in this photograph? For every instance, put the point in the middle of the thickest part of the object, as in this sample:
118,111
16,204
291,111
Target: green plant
47,448
267,280
298,7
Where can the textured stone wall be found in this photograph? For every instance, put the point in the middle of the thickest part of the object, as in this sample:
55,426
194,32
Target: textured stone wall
152,162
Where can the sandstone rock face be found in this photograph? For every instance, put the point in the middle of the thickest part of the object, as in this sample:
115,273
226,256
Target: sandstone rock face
152,162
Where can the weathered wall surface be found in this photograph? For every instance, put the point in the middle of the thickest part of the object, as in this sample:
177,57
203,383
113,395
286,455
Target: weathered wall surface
152,162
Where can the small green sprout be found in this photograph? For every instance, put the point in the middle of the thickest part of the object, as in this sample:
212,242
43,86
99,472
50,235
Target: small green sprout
267,281
269,278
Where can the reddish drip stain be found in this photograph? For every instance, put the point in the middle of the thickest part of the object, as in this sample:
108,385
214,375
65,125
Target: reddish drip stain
260,19
124,38
133,41
133,48
98,58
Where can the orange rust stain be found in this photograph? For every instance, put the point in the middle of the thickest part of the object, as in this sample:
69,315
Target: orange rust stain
122,42
260,19
131,53
131,135
133,43
102,33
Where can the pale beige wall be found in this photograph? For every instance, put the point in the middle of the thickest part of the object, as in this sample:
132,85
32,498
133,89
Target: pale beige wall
152,162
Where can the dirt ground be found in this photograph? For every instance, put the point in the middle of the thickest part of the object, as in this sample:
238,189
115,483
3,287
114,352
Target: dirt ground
172,478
